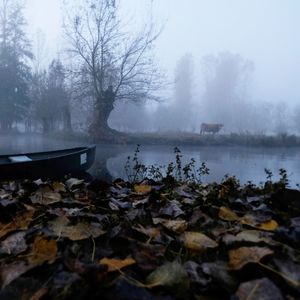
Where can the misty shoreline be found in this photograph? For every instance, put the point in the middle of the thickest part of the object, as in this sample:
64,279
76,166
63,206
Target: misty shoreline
175,139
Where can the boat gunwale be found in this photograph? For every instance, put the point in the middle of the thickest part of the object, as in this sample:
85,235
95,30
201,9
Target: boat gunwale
76,151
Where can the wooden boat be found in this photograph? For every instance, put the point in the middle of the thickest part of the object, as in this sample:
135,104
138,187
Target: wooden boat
51,163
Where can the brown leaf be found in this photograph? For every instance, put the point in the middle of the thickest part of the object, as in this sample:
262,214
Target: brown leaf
77,232
262,289
238,258
20,222
249,236
177,226
197,241
115,264
148,255
39,293
45,196
43,250
227,214
150,232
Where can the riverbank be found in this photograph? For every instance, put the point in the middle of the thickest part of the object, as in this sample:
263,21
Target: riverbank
149,240
192,139
175,139
234,139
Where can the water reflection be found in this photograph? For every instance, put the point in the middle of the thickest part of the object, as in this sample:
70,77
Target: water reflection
245,163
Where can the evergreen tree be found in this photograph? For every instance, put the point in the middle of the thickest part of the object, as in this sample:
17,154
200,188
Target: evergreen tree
53,105
14,69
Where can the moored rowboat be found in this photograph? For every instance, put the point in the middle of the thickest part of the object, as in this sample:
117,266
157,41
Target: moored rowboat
50,163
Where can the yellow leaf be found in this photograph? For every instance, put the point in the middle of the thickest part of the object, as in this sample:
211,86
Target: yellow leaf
227,214
115,264
197,241
43,250
142,189
270,225
58,186
238,258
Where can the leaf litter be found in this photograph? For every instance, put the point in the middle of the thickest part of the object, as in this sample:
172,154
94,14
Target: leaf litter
157,240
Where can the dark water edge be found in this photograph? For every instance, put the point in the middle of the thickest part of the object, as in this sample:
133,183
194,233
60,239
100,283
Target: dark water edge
247,163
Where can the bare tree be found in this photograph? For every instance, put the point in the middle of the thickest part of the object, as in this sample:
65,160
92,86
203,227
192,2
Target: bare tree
113,65
226,77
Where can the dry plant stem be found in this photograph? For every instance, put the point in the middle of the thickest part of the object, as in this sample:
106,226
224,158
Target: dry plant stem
292,281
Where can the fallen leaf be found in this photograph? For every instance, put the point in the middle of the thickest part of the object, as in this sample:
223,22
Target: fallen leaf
263,289
183,191
45,196
197,241
172,209
268,225
177,226
219,273
43,250
20,222
195,274
39,294
171,274
142,189
148,255
115,264
239,257
249,236
14,244
72,183
150,232
227,214
290,271
77,232
9,272
58,186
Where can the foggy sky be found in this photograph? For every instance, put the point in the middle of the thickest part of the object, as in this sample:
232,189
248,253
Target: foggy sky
263,31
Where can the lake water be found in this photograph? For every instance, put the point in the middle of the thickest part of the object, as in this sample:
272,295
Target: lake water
245,163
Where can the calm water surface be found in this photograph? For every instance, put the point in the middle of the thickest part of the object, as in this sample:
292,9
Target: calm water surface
245,163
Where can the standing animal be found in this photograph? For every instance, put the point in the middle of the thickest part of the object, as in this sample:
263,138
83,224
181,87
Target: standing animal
210,128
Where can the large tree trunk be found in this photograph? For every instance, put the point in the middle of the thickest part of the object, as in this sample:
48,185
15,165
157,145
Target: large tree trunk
67,124
99,129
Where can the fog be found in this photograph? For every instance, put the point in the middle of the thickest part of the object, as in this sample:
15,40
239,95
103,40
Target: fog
231,62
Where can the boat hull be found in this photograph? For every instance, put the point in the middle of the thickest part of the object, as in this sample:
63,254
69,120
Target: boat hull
48,164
